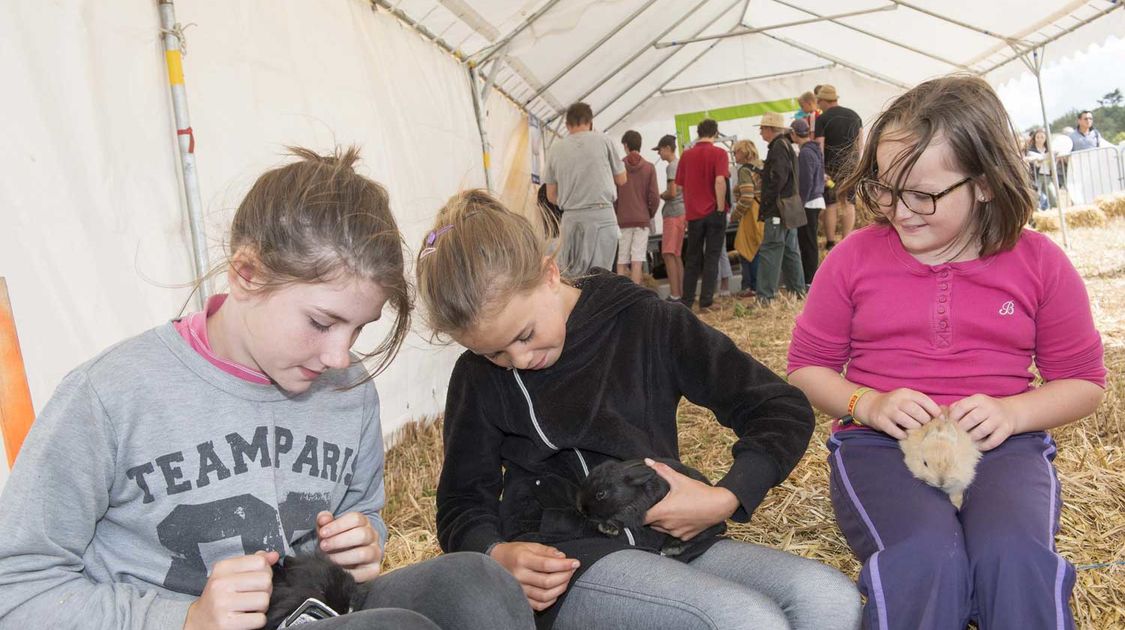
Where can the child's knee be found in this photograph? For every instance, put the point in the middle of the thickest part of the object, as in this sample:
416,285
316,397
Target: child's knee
1012,553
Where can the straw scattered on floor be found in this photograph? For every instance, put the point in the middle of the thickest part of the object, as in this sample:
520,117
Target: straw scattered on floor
797,516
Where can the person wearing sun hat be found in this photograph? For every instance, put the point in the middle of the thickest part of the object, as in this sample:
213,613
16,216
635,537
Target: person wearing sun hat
778,255
839,131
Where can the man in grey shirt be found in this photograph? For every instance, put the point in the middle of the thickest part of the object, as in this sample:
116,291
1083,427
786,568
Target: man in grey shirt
583,172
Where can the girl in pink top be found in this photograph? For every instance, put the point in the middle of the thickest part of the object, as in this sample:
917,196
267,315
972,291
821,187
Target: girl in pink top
947,300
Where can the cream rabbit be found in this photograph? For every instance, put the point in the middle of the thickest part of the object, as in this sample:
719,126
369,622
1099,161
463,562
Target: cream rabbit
943,455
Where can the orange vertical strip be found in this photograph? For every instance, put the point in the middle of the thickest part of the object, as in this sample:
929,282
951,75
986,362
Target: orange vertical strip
16,412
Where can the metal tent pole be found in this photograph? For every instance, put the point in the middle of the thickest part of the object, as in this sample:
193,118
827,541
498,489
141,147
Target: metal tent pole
1035,64
173,55
478,109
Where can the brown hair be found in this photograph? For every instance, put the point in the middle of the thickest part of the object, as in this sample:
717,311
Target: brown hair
478,255
966,113
579,114
315,219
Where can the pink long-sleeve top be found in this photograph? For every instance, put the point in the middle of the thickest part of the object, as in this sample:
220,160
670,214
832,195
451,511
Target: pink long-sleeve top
949,330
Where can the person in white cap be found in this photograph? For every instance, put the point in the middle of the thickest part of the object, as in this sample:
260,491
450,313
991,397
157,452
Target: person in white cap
778,254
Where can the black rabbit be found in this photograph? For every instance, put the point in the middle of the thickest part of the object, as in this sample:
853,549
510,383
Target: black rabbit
304,575
617,494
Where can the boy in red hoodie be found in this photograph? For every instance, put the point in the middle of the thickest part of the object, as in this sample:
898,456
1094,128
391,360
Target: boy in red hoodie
637,200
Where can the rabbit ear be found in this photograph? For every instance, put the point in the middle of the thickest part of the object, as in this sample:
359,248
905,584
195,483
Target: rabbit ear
638,475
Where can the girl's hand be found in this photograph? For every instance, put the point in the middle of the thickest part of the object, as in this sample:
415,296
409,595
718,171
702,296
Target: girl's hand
690,506
236,595
542,571
896,411
988,420
351,542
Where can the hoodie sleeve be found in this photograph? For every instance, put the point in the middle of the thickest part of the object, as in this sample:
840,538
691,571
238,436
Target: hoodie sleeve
468,493
772,419
653,192
48,513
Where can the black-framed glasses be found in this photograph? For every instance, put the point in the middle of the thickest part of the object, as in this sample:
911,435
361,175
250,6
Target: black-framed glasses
882,197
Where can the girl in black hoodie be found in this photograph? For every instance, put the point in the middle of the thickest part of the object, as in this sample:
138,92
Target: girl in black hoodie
560,376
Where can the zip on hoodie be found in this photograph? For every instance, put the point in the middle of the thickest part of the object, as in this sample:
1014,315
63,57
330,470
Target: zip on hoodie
550,445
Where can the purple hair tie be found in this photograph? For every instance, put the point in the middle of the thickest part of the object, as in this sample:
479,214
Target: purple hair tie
432,238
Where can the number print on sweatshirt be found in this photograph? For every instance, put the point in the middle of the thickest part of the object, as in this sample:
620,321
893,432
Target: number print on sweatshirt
256,522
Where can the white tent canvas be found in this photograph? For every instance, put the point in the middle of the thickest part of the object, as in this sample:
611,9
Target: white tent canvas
94,239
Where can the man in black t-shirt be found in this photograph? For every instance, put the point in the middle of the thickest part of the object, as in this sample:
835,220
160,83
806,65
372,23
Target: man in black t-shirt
839,131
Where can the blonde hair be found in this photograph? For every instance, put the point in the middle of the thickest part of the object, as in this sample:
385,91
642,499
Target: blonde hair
751,151
807,97
477,256
315,219
965,111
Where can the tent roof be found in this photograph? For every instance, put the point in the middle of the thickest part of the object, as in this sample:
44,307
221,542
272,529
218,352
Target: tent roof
617,54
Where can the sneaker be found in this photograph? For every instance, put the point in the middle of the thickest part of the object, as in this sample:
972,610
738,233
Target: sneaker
829,245
672,298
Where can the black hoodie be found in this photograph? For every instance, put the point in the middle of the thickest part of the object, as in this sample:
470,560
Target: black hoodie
517,443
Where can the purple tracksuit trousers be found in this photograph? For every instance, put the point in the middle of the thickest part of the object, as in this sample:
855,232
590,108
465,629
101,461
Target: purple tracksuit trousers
926,565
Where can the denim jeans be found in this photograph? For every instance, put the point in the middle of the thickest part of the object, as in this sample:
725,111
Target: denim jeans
779,257
750,274
457,591
734,586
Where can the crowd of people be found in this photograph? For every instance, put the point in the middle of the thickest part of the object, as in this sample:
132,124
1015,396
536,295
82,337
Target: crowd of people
1037,150
167,476
703,194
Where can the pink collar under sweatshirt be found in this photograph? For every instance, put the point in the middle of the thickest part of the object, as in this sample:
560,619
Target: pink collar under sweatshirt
949,330
193,329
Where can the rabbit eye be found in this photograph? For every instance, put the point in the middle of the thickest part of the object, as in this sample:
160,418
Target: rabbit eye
924,463
600,495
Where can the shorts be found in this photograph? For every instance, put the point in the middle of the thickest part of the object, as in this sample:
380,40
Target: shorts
632,245
830,193
672,241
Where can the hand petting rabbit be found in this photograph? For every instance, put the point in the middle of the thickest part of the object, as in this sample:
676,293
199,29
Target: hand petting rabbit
616,495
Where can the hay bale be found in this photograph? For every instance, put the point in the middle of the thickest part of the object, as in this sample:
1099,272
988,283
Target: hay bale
797,516
1077,216
1112,205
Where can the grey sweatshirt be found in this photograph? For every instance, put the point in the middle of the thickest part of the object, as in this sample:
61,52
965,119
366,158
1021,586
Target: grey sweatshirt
149,465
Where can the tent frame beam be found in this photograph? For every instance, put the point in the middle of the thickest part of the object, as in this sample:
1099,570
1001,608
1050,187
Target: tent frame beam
1029,48
640,51
491,51
665,60
589,51
749,79
738,23
834,59
879,37
748,30
946,18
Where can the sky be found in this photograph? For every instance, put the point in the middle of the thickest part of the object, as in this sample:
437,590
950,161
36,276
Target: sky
1074,82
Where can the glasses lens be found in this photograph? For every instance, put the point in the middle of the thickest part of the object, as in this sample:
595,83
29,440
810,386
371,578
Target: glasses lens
876,194
918,202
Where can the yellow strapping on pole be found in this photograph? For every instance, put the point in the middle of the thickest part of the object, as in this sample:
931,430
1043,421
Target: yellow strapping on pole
16,412
175,67
487,160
